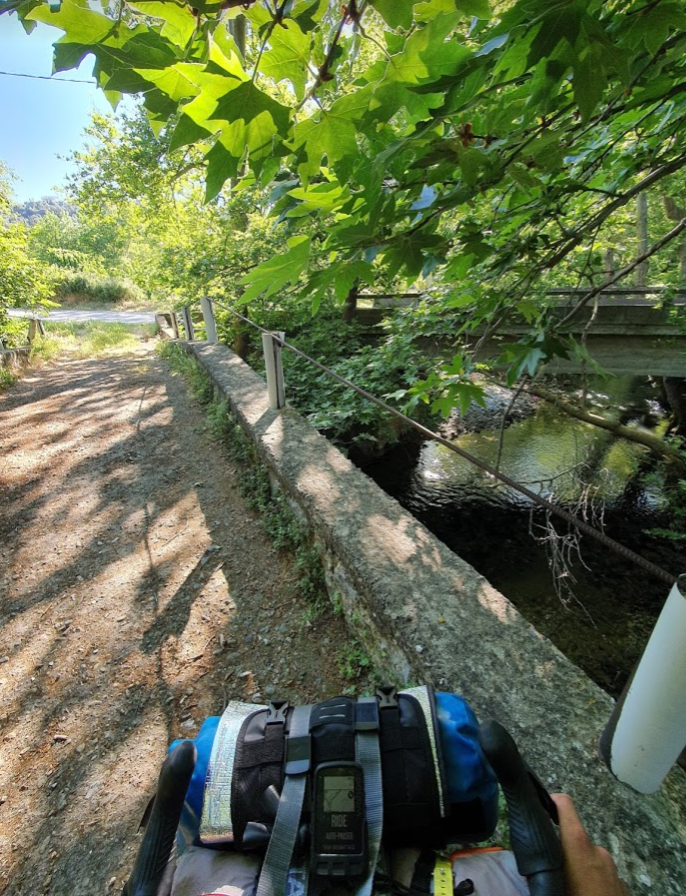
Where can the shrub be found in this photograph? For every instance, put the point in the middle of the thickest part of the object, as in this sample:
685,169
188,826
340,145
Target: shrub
86,287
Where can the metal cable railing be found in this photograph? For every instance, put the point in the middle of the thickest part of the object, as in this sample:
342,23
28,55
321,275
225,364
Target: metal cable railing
584,527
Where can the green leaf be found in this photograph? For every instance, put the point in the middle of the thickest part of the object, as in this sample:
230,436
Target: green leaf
442,406
221,165
326,197
288,57
589,83
338,278
186,132
333,134
479,8
562,22
424,11
472,160
272,275
250,121
179,21
170,81
77,19
658,21
396,13
427,54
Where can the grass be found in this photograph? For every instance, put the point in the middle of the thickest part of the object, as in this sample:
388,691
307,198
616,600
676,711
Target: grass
7,378
88,339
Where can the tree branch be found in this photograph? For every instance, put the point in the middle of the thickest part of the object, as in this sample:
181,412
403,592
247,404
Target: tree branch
647,439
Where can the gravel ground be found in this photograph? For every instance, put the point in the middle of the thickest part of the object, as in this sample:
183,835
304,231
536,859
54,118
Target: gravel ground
137,595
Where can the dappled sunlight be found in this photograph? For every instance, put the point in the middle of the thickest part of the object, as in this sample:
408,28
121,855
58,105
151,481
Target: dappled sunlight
402,540
128,601
496,604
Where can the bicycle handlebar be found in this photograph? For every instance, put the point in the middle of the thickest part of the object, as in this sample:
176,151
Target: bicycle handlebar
535,843
153,859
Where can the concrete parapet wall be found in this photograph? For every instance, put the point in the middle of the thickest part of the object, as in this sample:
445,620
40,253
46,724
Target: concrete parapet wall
429,616
14,357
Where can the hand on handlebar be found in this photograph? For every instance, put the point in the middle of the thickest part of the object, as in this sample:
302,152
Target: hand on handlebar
589,869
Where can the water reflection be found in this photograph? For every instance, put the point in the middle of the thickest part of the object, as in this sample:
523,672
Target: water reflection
603,627
556,456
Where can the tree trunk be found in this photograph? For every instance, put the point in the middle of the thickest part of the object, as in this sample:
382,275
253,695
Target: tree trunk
350,307
682,264
647,439
237,31
677,213
609,263
642,233
675,390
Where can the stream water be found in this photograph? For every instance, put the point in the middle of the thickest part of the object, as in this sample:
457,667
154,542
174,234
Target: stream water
601,610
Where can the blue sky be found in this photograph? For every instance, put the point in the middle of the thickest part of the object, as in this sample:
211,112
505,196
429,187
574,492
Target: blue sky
40,119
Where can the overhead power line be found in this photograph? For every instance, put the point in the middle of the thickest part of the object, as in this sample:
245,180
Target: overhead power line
48,78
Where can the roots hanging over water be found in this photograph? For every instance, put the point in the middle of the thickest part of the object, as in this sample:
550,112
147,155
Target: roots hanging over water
563,549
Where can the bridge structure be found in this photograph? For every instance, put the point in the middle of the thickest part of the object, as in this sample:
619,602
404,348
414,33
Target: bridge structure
626,330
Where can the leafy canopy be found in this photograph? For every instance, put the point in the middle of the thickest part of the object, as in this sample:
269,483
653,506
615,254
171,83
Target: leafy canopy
476,145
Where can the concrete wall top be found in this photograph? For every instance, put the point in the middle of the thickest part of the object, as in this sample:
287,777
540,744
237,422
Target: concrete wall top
458,633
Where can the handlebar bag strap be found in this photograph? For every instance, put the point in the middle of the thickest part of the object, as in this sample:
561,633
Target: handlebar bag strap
368,754
414,804
277,861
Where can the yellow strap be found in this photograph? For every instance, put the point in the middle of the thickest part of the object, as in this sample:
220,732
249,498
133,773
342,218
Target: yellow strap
443,878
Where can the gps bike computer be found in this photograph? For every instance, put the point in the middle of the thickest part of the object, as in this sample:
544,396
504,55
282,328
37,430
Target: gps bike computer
339,827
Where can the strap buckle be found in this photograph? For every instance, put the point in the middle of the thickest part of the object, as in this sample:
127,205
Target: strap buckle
387,695
277,712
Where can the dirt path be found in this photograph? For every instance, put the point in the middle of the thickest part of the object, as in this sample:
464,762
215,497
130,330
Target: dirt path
137,595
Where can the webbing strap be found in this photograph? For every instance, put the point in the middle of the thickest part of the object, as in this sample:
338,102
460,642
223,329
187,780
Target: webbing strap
368,754
280,850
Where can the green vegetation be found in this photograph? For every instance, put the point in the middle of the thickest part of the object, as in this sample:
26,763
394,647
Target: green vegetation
79,288
353,663
88,339
480,151
7,378
290,157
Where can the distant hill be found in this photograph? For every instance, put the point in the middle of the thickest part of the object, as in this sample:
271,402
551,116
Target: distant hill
32,211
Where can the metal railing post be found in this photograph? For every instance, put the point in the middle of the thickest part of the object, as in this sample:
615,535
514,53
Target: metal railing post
208,317
271,344
175,324
188,323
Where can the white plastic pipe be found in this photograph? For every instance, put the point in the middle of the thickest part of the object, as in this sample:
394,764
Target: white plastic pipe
647,730
208,317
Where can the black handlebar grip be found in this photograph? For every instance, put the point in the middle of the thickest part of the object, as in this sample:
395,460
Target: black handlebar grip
535,843
155,850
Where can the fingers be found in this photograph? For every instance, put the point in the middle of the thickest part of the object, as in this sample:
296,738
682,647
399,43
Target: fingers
572,832
590,869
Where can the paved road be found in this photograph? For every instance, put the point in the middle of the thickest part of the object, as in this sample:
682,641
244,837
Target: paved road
112,317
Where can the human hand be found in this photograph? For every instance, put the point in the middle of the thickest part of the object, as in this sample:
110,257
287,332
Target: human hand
589,869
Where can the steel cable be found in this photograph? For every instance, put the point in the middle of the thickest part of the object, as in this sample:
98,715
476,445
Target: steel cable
568,517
